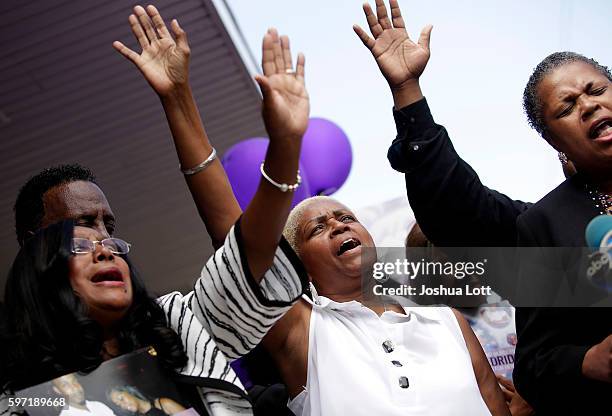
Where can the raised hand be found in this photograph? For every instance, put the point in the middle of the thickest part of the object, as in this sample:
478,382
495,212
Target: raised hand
400,60
286,105
163,61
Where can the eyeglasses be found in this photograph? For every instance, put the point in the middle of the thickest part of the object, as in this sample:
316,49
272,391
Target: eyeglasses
115,245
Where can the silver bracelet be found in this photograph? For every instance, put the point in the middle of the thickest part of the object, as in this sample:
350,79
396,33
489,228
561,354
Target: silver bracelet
201,166
282,186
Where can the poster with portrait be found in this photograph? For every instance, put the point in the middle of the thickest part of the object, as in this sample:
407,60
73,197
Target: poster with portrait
132,384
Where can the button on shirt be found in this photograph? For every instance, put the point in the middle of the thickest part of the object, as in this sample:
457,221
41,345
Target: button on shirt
362,364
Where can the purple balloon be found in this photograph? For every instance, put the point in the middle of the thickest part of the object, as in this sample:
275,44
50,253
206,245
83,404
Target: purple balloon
241,163
326,156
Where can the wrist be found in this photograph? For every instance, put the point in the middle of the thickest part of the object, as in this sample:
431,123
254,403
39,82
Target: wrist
406,93
178,92
287,143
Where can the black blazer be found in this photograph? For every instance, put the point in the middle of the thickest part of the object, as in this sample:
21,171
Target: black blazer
552,342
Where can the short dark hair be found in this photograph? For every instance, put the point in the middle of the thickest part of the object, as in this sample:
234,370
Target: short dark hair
29,208
532,103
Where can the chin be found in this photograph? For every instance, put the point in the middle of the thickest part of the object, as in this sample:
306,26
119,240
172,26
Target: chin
352,270
116,305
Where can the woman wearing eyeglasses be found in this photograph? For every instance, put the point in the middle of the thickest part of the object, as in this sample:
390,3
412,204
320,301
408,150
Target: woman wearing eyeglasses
74,300
71,298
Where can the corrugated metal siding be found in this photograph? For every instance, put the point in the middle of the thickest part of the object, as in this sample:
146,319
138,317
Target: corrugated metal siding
69,97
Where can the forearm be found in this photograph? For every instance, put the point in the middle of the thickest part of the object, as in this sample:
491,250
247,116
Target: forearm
210,188
236,310
437,178
487,382
266,215
489,389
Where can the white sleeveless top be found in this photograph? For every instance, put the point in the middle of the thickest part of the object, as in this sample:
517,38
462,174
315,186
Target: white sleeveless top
423,368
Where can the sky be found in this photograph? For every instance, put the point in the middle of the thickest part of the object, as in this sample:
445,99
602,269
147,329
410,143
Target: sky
482,54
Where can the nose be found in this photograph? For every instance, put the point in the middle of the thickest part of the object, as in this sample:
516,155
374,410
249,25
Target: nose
589,106
102,253
339,227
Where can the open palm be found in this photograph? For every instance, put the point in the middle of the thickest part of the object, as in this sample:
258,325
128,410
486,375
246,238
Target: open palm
164,62
399,58
286,105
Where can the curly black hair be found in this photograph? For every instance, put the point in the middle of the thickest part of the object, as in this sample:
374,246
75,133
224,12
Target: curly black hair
29,208
50,331
531,101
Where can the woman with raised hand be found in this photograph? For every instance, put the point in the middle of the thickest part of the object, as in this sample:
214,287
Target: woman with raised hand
562,365
339,354
326,349
244,288
164,63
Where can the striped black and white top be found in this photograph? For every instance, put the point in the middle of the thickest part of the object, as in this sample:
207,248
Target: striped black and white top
224,317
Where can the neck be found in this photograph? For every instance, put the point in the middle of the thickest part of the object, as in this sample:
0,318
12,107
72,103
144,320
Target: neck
377,305
338,295
110,348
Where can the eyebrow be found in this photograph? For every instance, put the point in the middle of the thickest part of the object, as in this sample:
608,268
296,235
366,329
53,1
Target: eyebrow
566,96
323,218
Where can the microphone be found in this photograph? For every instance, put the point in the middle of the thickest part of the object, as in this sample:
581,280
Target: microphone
598,233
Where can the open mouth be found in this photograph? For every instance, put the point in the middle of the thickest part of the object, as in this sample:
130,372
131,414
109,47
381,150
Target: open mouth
348,245
111,275
601,128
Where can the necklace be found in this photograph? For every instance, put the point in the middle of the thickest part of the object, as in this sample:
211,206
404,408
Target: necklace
602,201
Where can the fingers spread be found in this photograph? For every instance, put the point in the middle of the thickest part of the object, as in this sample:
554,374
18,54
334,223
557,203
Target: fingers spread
425,37
286,52
381,11
144,20
375,28
138,32
396,14
367,40
160,26
267,56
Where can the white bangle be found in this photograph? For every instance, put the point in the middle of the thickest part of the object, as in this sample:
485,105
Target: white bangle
201,166
282,186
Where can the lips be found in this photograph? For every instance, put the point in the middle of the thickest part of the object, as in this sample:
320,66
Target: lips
347,245
108,277
601,127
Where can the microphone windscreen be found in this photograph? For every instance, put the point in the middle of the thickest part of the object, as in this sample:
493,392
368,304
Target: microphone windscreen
597,230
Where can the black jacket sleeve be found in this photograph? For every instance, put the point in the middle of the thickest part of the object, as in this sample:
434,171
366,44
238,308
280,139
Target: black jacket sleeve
450,203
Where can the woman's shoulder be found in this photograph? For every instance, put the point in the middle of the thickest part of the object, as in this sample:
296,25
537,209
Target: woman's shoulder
571,192
560,217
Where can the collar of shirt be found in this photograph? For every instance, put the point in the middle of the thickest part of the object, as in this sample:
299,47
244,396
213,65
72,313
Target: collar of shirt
420,312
